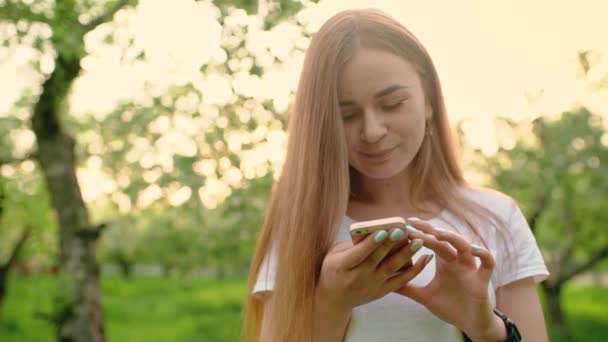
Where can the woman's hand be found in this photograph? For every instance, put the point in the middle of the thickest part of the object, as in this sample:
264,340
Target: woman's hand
458,292
355,275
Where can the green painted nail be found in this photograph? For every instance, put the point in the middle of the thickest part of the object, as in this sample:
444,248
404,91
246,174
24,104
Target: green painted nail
416,245
411,229
440,230
380,236
396,234
428,259
475,248
414,219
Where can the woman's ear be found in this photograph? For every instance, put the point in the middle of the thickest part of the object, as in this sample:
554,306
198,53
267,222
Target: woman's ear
428,115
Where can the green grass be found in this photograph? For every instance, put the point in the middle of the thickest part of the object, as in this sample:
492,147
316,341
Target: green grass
587,313
169,309
139,309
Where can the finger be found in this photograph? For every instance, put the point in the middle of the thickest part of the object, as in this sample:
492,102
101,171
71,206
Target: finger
354,256
396,236
392,264
415,292
419,224
443,249
397,281
397,246
341,246
407,265
487,262
457,240
462,246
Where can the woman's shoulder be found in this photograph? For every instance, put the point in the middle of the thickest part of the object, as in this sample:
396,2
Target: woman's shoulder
491,199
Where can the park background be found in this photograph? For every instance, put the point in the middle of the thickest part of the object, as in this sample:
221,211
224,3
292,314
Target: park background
139,141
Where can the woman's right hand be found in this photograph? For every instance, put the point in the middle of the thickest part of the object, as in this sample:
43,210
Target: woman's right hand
352,275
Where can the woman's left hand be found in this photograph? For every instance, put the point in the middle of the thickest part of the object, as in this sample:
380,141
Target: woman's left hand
458,293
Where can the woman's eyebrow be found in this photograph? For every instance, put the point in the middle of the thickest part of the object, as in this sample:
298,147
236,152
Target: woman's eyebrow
381,93
389,90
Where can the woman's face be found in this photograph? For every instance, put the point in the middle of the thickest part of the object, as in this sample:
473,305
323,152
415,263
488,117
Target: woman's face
384,112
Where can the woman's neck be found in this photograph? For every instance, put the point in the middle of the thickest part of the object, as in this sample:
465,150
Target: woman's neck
384,192
391,200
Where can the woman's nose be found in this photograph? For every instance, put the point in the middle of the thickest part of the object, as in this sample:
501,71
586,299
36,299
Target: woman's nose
374,128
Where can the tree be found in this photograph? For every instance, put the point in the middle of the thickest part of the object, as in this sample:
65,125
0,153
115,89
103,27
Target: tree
79,316
27,227
6,266
559,176
179,140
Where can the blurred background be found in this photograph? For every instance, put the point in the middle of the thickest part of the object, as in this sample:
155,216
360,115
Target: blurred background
139,141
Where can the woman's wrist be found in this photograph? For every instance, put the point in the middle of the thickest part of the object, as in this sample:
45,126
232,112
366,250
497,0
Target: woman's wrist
330,320
495,331
324,306
498,331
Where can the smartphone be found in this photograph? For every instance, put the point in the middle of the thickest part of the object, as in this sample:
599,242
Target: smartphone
359,230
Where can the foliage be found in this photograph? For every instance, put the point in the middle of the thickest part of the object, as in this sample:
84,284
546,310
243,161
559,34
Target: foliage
176,141
27,204
558,175
124,146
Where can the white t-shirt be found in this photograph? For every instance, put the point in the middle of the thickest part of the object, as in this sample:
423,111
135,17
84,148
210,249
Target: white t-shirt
397,318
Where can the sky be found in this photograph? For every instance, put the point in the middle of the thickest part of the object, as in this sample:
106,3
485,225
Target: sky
494,58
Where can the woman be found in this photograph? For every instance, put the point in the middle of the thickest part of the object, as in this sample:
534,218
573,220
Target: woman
369,138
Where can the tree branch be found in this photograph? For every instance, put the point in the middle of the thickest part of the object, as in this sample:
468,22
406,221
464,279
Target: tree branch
565,251
92,233
541,205
105,17
2,198
13,257
598,256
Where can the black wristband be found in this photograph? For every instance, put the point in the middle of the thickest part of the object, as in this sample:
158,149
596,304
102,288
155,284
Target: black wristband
513,334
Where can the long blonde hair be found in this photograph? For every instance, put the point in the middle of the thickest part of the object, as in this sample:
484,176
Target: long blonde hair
310,199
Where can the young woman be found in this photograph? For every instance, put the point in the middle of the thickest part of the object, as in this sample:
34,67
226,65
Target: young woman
369,138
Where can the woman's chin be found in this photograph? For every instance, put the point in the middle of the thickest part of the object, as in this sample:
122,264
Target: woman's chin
380,173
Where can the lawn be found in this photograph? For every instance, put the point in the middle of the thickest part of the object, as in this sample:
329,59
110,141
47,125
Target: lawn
139,309
169,309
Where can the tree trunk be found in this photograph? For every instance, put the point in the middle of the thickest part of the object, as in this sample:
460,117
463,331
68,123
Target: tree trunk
78,316
557,319
125,265
3,272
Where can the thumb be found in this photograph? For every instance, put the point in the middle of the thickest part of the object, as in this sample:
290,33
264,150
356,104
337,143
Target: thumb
414,292
341,246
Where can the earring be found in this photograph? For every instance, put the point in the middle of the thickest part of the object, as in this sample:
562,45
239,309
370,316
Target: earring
428,130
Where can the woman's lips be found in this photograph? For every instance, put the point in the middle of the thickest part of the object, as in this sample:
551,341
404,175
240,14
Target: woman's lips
378,156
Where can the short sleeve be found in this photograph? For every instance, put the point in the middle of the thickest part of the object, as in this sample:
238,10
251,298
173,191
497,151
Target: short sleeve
523,258
267,273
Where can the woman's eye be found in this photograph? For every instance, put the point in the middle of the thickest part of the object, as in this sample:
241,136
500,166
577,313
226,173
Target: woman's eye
348,116
392,106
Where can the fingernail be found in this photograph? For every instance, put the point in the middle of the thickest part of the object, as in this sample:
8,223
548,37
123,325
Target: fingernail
475,248
411,229
440,230
380,236
429,257
414,219
416,244
396,234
